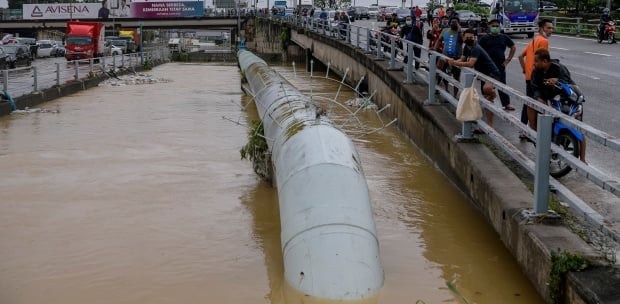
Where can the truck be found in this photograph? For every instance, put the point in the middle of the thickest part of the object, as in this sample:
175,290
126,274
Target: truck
85,40
132,36
516,16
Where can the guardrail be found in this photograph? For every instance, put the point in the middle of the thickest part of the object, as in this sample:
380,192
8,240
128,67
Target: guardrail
573,26
26,80
384,46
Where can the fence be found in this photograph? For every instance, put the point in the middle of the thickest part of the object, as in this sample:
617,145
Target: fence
384,46
26,80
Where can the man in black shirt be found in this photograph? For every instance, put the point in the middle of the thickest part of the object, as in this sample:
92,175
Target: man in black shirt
545,77
412,31
474,56
495,44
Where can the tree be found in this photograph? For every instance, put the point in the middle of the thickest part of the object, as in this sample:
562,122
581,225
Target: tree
336,4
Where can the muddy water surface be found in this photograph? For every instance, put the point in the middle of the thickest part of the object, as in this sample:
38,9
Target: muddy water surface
137,194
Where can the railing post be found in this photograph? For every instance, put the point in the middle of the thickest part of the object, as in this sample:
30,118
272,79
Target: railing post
114,61
348,34
432,82
379,46
578,27
35,78
5,80
392,53
410,61
91,64
76,66
466,132
357,38
543,154
57,73
368,38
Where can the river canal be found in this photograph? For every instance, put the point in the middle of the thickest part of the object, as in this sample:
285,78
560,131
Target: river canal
137,194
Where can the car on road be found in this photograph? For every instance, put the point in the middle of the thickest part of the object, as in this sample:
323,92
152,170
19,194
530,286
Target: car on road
121,44
30,42
47,48
468,18
401,14
5,60
115,50
372,12
361,12
19,55
547,6
60,49
351,13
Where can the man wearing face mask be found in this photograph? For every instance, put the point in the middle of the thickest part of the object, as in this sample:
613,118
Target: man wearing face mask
452,41
412,31
474,56
495,44
445,22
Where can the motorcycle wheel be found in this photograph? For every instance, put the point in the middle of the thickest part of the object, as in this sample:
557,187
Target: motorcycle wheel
610,38
567,141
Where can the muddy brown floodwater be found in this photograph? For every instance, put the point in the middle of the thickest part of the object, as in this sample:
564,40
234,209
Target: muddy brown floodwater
137,194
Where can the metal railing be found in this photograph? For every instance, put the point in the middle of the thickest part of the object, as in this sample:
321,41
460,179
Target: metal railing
26,80
384,46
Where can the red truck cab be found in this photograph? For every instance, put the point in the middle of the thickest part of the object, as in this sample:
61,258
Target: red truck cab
85,40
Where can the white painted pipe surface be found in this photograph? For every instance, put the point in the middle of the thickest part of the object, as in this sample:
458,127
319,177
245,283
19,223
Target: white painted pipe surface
329,240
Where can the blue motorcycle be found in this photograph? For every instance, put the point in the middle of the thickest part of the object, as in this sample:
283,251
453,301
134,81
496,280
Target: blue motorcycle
569,101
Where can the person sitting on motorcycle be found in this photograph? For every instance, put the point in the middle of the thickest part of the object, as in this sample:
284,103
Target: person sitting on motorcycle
605,18
545,77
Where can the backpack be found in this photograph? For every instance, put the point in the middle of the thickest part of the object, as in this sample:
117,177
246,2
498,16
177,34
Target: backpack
564,72
450,42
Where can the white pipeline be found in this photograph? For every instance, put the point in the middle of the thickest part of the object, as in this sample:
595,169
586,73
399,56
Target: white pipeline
329,241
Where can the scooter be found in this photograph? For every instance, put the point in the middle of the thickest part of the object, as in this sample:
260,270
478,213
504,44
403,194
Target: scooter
609,33
570,102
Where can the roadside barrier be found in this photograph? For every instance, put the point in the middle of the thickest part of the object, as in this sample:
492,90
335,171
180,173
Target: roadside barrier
26,80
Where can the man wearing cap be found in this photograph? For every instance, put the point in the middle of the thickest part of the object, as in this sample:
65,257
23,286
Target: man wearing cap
495,44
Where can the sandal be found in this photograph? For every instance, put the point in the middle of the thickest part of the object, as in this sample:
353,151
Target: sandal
509,108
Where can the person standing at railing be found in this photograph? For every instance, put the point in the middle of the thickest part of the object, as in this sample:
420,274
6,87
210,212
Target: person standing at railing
495,44
474,56
451,43
526,59
432,36
412,31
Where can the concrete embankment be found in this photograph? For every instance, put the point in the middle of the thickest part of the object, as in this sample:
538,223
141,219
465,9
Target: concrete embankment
499,194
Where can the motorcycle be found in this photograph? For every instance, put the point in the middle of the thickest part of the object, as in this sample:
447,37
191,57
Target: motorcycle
609,33
570,102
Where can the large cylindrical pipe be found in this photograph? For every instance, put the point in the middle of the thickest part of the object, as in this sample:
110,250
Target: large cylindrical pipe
329,240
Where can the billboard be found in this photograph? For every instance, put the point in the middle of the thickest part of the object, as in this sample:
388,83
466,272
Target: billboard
115,9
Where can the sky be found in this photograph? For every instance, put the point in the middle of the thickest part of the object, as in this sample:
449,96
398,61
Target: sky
4,3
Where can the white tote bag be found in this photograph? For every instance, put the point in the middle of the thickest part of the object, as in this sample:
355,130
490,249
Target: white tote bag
468,108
